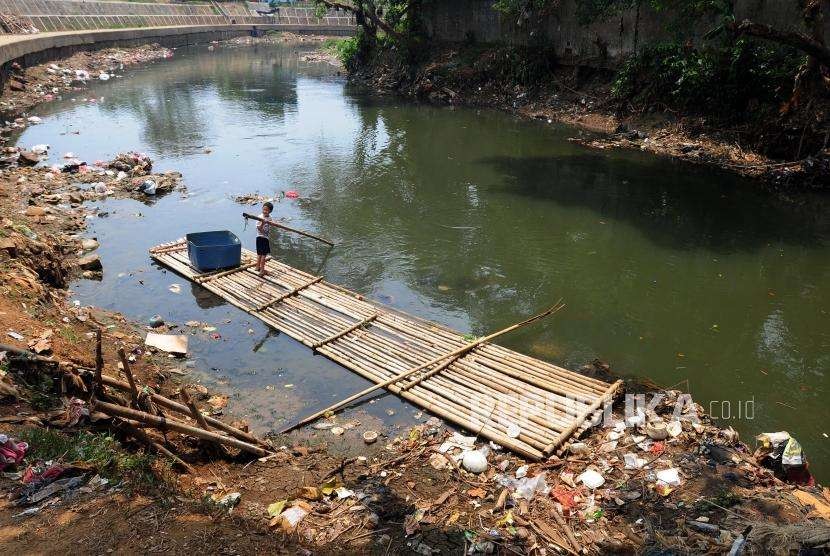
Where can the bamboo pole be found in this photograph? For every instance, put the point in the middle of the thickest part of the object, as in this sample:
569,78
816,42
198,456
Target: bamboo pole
99,362
167,424
342,333
288,294
147,439
194,411
290,229
464,349
130,380
180,408
564,435
208,277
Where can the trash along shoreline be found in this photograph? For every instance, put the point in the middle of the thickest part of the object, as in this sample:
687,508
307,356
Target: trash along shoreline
101,437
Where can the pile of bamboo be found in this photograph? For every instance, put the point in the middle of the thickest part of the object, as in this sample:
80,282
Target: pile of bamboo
529,406
142,410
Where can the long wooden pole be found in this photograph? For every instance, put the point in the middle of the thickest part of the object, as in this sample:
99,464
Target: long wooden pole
167,424
289,228
453,354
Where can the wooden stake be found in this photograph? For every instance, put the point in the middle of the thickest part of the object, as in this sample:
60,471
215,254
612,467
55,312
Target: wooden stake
99,362
462,350
126,364
194,411
290,229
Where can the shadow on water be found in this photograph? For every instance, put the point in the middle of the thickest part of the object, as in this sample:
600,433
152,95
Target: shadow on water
674,205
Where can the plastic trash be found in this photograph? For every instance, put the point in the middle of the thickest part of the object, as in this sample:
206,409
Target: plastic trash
104,76
633,462
82,74
525,487
474,461
40,149
148,187
34,120
669,477
370,437
291,194
591,479
290,518
11,451
674,428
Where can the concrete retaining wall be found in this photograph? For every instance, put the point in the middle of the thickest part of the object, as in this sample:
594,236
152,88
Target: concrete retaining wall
74,15
41,47
602,43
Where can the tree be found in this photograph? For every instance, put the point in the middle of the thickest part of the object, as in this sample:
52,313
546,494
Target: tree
812,43
377,15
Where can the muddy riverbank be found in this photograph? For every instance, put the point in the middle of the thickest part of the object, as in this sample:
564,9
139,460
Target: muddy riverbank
696,486
458,75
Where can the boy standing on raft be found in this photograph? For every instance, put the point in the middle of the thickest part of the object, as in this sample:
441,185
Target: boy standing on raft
263,244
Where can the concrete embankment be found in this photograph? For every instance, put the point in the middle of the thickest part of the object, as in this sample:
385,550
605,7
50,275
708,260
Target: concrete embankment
37,48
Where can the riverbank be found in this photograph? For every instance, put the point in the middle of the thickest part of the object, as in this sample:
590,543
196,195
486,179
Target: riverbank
477,76
696,487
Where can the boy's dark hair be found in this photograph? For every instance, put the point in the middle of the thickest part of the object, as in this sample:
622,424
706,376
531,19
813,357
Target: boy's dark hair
269,205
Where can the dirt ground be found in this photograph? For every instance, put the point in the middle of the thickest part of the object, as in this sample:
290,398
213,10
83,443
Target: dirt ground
408,494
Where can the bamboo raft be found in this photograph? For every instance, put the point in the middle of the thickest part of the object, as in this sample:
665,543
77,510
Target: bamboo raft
524,404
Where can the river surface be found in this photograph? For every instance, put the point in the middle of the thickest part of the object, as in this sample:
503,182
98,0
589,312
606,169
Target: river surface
474,219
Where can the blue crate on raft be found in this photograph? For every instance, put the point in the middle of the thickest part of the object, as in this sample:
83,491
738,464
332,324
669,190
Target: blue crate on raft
214,250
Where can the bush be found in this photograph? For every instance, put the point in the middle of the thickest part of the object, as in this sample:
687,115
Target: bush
722,79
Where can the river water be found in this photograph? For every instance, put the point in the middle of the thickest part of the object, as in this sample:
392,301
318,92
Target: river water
472,218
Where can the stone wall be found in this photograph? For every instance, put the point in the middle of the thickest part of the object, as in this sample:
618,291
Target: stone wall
75,15
602,43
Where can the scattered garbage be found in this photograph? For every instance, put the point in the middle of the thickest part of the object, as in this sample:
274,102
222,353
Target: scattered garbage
12,452
781,453
370,437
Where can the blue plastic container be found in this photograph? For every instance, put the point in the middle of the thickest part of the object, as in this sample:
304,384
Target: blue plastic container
214,250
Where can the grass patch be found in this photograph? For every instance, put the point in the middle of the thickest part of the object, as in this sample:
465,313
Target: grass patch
69,334
100,450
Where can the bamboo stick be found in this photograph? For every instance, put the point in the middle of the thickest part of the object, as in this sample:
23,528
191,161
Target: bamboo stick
609,394
130,380
208,277
288,294
99,362
342,333
147,439
167,424
288,228
180,408
396,378
194,411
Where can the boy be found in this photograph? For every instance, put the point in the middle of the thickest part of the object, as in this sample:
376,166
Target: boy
263,245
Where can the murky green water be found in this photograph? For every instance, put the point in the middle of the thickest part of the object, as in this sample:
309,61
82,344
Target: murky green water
471,218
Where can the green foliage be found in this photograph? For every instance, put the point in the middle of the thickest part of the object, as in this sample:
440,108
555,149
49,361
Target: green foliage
348,51
723,79
100,450
517,7
525,65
